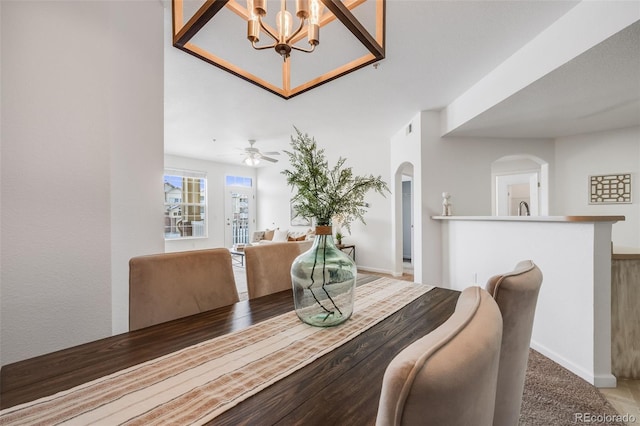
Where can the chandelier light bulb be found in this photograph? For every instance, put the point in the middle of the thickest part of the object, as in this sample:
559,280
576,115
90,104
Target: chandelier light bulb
284,22
313,28
316,11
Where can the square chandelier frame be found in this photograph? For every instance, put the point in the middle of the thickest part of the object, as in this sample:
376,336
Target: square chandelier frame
183,32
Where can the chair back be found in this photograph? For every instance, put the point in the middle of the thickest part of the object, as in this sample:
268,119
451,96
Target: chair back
516,294
268,266
166,286
449,376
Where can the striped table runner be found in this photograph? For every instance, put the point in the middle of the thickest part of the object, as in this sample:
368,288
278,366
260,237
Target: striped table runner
197,383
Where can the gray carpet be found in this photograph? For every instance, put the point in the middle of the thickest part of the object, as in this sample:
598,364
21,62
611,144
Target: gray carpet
553,395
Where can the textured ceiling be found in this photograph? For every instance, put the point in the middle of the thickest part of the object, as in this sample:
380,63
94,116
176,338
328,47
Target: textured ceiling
598,90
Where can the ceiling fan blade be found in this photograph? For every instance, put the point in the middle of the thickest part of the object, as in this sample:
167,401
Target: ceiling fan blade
271,153
273,160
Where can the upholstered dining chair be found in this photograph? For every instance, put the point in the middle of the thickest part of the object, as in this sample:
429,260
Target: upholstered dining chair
166,286
516,294
268,266
449,376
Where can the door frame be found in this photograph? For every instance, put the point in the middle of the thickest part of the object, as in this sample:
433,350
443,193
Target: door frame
228,213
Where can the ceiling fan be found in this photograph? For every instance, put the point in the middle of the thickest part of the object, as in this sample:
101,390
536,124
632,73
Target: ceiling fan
253,155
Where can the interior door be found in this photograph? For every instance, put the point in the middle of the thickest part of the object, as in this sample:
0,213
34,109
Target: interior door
407,220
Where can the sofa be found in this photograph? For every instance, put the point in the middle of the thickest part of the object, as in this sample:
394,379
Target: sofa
280,236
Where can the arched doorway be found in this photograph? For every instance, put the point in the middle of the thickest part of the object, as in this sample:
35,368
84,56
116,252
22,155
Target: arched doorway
404,229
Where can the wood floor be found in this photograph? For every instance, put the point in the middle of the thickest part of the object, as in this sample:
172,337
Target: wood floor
625,398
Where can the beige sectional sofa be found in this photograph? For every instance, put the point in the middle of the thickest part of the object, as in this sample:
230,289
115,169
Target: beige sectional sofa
281,236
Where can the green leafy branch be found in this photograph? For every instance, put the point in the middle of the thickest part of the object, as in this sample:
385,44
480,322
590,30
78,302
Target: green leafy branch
323,192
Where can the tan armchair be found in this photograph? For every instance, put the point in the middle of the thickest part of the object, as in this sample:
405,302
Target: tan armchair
516,294
166,286
268,266
449,376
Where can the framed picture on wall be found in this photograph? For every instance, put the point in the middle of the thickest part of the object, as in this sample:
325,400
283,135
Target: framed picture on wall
297,220
610,189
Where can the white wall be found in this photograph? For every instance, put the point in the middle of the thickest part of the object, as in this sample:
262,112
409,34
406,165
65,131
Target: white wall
216,173
578,157
273,197
135,132
81,116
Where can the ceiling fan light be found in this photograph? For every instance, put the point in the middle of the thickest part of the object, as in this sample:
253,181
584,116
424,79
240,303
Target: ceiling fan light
251,161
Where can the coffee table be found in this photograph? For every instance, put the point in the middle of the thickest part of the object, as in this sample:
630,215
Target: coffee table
237,256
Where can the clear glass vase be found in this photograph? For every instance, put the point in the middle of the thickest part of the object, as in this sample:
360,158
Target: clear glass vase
324,282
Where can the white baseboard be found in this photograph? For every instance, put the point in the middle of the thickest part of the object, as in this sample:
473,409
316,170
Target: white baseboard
605,381
378,270
598,380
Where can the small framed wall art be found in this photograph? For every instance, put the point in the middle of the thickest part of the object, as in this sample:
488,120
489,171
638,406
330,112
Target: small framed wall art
610,189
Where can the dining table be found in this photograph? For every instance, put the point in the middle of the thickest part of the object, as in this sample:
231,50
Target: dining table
339,387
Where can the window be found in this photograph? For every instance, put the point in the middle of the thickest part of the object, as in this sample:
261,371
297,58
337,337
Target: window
185,204
245,182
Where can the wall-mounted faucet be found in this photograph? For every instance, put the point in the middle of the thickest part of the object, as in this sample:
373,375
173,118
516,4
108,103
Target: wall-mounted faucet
526,209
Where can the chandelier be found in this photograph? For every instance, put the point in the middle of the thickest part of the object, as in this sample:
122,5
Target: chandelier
207,30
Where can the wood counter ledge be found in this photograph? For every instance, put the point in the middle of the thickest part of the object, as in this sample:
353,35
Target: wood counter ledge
534,218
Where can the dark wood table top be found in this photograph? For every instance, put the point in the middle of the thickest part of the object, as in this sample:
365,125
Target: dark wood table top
341,387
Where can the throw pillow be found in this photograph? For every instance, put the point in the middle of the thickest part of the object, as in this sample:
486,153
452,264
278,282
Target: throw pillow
279,236
297,236
257,236
268,234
